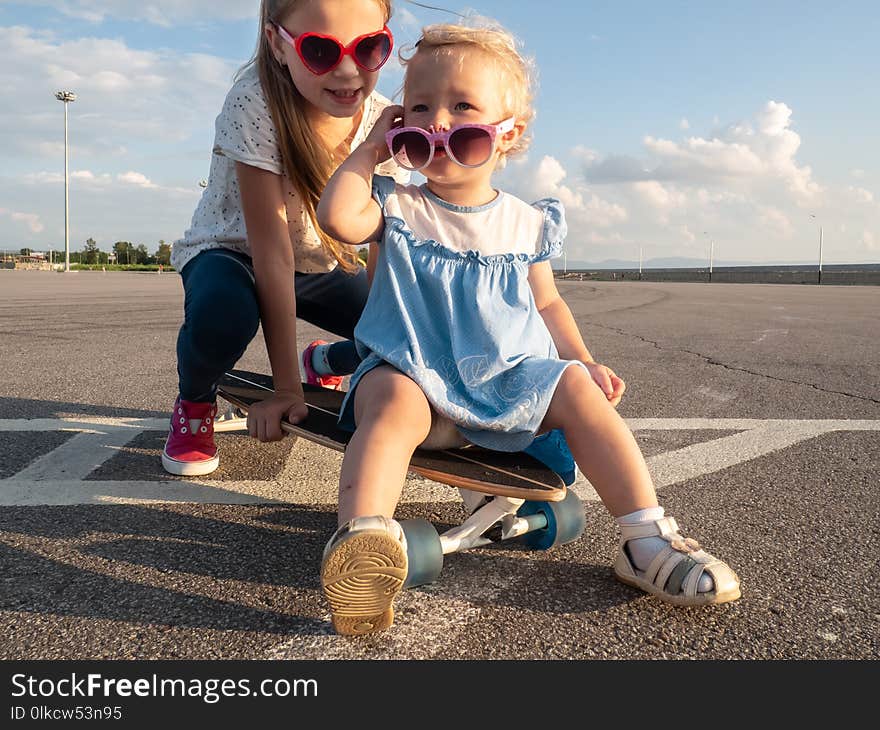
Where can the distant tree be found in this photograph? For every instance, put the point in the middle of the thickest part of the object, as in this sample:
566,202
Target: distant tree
90,252
163,254
123,251
25,252
362,255
141,255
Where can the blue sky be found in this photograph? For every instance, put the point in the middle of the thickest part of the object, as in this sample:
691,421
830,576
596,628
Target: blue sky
660,125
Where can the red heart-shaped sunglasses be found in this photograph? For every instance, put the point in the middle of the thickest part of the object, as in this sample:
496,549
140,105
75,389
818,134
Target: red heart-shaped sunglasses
322,53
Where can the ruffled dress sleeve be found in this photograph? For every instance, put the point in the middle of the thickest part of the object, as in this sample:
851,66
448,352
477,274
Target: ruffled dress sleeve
555,229
383,186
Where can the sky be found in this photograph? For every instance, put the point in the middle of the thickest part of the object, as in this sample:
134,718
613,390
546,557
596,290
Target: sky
667,128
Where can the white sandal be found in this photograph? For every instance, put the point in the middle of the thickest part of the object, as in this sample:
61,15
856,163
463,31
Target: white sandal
674,574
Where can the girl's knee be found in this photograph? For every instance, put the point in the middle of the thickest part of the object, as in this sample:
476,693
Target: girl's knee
574,381
220,333
575,387
387,396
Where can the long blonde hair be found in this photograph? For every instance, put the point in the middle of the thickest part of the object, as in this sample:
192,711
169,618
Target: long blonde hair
307,162
516,72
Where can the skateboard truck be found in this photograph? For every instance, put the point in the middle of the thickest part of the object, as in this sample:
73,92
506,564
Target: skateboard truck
541,525
497,510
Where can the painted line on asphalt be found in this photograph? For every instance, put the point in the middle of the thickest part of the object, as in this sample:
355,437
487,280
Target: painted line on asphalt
59,477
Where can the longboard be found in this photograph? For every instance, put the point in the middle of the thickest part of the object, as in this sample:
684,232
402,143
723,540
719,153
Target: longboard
516,475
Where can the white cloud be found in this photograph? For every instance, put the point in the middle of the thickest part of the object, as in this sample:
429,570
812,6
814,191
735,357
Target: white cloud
123,93
685,233
684,124
776,220
860,194
763,149
158,12
140,136
659,196
407,19
136,178
742,187
31,220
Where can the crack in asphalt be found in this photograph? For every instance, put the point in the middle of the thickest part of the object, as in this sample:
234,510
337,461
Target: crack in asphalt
713,361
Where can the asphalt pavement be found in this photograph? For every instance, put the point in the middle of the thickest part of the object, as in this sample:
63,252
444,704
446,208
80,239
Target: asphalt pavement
757,407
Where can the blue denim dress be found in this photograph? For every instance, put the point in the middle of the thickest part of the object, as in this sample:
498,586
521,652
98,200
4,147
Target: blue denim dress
465,328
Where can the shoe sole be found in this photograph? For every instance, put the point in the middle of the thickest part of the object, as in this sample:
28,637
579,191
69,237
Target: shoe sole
701,599
189,468
361,577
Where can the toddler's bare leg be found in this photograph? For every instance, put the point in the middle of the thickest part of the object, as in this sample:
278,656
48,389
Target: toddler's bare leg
393,417
601,443
653,555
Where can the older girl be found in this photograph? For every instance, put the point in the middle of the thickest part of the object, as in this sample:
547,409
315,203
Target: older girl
255,252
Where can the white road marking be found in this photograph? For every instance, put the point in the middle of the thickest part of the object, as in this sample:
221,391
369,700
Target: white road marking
765,333
60,476
77,458
84,424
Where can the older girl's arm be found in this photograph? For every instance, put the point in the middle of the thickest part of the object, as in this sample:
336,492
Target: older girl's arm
265,218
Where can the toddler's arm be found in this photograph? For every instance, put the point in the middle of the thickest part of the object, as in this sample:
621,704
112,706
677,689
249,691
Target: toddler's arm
565,333
347,210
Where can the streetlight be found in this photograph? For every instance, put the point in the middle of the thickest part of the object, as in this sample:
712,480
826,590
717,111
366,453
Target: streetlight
820,246
66,97
711,253
640,262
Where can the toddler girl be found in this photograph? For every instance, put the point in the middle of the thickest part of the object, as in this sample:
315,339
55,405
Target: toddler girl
465,337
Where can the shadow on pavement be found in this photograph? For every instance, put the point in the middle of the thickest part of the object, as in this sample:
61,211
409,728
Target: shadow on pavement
32,408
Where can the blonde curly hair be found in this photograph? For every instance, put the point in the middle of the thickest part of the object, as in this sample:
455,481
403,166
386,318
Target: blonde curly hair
517,76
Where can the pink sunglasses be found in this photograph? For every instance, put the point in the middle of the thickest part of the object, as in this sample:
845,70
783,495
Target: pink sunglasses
468,145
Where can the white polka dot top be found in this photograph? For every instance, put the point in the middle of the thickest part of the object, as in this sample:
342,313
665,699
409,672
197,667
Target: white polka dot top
245,132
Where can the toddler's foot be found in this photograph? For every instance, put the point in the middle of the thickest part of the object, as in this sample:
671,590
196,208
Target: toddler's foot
655,557
316,370
362,571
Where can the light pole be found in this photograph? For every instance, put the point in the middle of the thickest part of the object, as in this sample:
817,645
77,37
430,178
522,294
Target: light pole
640,262
66,97
711,253
820,247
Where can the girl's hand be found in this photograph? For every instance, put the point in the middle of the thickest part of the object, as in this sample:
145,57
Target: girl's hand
388,119
264,418
608,381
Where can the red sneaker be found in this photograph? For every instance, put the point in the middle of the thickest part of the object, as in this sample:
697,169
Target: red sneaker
333,382
190,449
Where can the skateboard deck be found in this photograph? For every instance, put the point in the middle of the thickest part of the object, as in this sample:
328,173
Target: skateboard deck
516,475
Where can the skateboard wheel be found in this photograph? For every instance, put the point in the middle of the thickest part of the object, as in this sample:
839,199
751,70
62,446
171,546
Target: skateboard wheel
565,522
424,553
